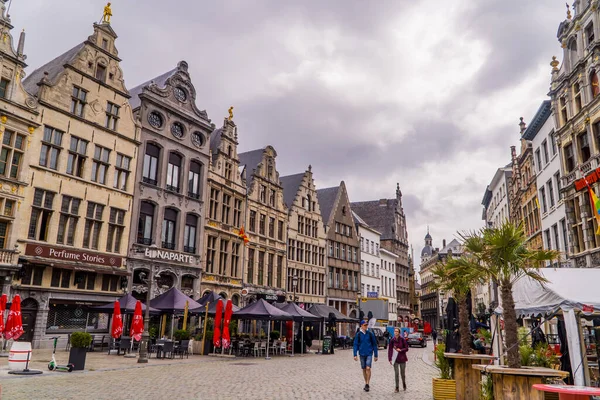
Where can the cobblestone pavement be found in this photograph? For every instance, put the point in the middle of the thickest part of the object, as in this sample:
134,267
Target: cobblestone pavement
308,377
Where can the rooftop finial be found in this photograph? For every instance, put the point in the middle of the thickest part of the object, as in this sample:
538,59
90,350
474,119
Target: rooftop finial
554,63
230,118
106,14
568,11
522,125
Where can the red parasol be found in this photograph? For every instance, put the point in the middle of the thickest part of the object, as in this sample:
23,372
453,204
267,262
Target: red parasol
116,328
14,323
289,329
226,320
217,332
137,326
3,301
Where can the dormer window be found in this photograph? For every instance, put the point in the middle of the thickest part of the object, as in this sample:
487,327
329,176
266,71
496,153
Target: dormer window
589,33
105,44
101,72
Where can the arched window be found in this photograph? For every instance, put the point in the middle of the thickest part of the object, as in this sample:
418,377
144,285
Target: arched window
145,223
229,151
174,172
194,180
150,168
594,84
235,300
572,47
189,234
169,228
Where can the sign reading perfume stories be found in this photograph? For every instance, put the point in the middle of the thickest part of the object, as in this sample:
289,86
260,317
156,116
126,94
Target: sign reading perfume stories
63,254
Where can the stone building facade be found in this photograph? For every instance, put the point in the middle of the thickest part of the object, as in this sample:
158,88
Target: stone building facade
226,196
77,207
524,204
18,121
266,224
575,97
172,166
306,240
387,216
343,252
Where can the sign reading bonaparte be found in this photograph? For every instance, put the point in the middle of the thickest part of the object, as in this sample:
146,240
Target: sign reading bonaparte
169,255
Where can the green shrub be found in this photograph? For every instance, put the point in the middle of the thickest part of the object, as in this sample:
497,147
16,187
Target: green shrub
274,335
153,332
181,334
487,388
442,362
81,339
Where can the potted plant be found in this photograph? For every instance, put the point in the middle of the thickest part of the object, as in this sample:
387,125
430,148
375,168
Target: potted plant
181,334
80,342
274,335
444,387
504,257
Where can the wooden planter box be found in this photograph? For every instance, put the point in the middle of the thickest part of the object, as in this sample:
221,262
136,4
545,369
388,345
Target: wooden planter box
468,380
516,383
444,389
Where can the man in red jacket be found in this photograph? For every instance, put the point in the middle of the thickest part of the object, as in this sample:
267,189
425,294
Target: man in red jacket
397,356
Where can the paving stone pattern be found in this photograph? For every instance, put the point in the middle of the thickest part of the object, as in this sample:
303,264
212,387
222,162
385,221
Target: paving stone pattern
308,377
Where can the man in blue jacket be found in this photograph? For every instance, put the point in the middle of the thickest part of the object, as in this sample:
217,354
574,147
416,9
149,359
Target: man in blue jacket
365,344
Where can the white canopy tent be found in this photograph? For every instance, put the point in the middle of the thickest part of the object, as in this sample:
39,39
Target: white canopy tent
568,290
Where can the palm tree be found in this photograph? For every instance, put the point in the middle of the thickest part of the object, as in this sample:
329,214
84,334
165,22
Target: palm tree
505,258
458,275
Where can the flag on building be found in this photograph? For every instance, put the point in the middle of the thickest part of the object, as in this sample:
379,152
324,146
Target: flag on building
595,203
243,235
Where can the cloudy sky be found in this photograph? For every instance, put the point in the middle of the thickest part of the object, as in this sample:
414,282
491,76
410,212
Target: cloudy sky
424,93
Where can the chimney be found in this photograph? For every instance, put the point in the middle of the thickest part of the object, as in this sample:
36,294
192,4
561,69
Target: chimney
443,243
21,45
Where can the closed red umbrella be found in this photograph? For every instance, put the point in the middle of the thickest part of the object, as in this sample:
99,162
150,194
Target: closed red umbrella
3,301
14,323
116,328
226,320
217,332
137,326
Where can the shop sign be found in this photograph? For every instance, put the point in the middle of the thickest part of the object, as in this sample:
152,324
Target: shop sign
169,256
57,253
372,295
593,177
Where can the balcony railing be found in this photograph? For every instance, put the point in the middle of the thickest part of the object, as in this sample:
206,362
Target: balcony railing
173,189
146,241
194,195
149,181
167,245
188,249
8,257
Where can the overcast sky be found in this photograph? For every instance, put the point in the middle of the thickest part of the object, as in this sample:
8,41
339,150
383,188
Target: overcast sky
424,93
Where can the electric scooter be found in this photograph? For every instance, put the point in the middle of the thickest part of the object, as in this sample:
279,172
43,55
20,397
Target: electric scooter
52,366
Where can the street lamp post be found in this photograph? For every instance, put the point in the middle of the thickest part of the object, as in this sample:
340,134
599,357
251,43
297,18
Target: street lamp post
143,358
294,286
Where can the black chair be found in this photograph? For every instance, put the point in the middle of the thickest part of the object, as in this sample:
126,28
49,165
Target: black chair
167,348
113,344
182,348
125,345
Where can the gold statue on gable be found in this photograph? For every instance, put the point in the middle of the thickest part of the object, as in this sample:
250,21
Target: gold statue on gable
230,113
107,14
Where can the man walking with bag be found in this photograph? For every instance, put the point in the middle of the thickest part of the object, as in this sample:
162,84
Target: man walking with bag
365,344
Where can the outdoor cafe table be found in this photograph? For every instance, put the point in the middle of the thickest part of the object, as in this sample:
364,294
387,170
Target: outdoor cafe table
566,392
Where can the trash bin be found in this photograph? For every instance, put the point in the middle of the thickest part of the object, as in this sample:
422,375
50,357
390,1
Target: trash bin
19,353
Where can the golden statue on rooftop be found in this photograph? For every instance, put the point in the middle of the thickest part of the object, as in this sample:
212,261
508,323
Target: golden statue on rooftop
107,14
230,113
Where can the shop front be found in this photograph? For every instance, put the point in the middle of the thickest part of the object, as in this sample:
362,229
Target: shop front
59,288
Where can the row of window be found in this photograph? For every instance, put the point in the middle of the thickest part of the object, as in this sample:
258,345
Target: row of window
368,288
388,265
308,227
262,269
343,229
581,204
389,286
552,235
79,101
170,231
343,251
548,195
340,278
76,161
531,216
305,253
308,282
369,268
364,246
151,172
262,195
33,275
42,218
220,209
543,151
262,225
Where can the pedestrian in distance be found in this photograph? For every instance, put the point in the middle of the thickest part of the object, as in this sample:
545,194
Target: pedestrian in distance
397,357
365,345
434,336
